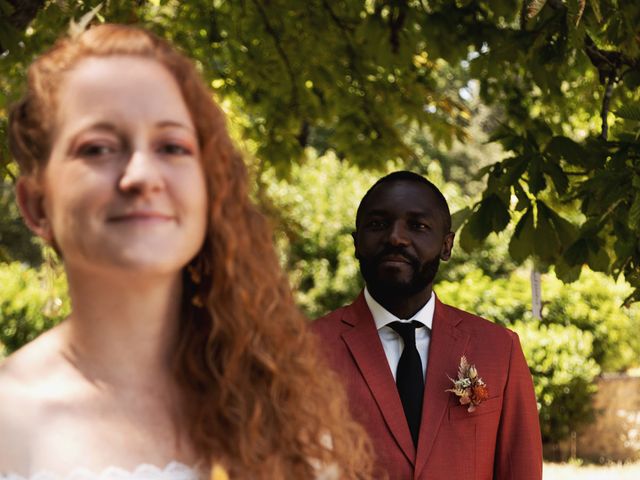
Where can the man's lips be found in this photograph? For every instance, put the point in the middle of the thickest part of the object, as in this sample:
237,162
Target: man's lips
394,259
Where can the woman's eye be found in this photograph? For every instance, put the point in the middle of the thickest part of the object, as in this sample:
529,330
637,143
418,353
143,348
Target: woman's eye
174,149
95,150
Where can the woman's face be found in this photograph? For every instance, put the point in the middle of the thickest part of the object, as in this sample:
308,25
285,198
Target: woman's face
124,186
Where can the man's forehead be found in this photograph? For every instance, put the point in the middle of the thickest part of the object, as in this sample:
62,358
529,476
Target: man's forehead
410,196
391,208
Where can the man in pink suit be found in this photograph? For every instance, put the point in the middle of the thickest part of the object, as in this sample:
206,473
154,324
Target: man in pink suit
397,349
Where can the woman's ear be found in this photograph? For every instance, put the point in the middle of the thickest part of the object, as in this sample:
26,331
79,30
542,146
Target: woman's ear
30,198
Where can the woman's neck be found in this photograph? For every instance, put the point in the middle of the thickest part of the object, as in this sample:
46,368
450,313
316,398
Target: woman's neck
122,328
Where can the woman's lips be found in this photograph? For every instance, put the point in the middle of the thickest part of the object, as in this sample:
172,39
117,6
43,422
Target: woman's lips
143,216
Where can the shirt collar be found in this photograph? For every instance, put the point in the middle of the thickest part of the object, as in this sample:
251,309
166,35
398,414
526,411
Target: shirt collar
382,317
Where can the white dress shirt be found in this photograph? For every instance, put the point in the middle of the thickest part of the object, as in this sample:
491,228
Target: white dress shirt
392,342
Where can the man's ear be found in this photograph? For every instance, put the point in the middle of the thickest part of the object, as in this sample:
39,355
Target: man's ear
354,235
447,246
30,198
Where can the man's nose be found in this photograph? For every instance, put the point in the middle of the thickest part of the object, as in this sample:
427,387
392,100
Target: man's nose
142,174
398,234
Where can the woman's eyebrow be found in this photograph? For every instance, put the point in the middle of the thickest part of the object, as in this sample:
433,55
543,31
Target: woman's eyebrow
175,124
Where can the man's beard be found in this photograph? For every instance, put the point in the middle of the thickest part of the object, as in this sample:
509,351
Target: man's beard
388,287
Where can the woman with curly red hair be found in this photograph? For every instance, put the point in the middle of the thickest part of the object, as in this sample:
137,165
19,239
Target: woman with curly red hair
184,348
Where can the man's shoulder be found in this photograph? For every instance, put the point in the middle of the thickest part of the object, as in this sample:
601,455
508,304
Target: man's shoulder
476,325
326,325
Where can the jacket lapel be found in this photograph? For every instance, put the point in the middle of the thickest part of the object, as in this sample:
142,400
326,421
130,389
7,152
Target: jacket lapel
447,345
364,344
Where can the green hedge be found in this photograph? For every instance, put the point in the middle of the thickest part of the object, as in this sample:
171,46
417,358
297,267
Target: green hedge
564,373
31,301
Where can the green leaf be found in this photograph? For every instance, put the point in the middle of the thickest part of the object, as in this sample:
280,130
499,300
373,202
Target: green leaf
514,167
629,112
9,35
565,148
534,7
459,217
565,230
520,246
470,237
599,259
634,214
523,199
537,182
557,175
575,11
595,6
567,273
492,215
632,80
577,253
6,8
546,244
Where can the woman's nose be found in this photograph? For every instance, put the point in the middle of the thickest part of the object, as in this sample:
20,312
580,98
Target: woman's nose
142,174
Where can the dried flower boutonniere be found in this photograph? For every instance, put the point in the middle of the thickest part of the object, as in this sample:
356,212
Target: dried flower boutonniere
469,386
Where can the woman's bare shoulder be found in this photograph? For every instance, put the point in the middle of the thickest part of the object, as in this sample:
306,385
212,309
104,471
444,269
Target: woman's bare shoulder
24,379
31,363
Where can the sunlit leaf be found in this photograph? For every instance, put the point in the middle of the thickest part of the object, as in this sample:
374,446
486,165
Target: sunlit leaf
546,244
558,177
567,273
629,112
521,244
458,218
634,214
595,6
567,149
533,8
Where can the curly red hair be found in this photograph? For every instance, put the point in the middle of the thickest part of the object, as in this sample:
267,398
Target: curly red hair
257,397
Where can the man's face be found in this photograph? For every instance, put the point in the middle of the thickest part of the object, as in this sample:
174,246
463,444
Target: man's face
401,238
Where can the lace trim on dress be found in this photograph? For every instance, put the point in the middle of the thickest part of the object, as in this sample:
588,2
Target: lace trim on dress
173,471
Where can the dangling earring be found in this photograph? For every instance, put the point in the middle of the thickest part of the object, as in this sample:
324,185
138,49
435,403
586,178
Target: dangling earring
198,269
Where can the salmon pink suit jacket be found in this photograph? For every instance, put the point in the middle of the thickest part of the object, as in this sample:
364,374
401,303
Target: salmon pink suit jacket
499,440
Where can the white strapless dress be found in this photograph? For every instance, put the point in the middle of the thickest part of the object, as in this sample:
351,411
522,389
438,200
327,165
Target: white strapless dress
173,471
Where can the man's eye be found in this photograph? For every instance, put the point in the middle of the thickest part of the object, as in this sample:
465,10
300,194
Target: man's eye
419,226
376,224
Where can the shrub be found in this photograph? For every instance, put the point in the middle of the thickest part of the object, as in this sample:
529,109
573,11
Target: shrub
31,302
560,360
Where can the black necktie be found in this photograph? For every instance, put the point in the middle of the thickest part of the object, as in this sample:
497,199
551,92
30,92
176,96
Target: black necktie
409,377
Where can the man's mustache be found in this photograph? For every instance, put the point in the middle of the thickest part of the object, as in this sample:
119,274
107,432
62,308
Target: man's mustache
398,252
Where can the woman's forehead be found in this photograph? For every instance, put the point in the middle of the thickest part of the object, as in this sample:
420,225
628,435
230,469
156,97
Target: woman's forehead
133,85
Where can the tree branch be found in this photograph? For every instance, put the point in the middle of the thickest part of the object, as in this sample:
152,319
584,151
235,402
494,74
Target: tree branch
283,55
606,101
396,22
373,124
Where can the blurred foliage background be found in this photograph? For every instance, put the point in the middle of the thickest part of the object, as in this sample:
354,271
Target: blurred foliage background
526,114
